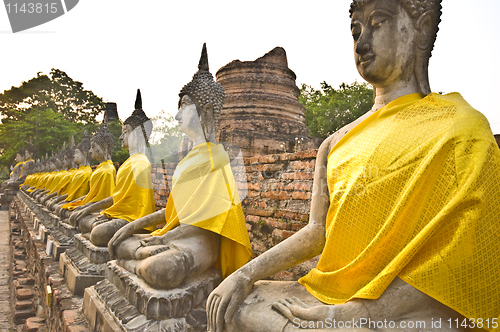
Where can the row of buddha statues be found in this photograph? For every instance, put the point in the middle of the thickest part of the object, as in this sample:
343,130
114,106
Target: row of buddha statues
419,243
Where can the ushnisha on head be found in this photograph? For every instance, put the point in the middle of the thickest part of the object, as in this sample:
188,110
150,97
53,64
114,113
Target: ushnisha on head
104,138
30,151
84,146
207,94
138,119
424,15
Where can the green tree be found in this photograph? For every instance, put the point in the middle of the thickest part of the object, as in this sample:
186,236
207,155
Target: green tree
48,109
329,109
165,138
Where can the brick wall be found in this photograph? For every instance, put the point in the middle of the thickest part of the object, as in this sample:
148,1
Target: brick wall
277,202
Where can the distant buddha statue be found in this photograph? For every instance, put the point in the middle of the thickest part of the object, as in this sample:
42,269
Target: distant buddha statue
65,183
205,225
19,172
407,221
79,184
102,180
133,195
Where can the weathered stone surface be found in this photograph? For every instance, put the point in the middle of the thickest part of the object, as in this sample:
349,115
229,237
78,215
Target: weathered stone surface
262,114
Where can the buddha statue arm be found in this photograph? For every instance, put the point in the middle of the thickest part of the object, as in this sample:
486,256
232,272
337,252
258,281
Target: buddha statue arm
97,206
133,227
305,244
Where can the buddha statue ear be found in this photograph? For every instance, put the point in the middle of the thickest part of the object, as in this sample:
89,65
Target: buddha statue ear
424,42
208,122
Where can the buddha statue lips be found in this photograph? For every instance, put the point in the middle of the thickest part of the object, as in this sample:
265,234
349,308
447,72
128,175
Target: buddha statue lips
205,225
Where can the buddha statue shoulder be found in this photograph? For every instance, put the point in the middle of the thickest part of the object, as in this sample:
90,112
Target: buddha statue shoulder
395,196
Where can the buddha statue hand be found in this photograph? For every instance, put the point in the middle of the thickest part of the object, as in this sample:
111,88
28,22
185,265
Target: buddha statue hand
120,235
226,299
298,312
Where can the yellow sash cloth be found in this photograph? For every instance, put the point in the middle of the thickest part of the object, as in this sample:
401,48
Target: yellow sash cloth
133,197
204,195
415,193
79,183
35,181
47,185
24,164
66,182
57,182
19,164
102,184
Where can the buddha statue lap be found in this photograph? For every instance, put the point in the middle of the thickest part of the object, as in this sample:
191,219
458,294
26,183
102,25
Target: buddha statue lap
205,225
392,241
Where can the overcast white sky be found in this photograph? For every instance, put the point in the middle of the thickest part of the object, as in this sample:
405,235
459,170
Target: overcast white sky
117,46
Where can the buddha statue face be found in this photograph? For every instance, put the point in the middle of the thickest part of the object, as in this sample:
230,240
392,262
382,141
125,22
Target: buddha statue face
384,42
78,157
96,151
19,158
188,117
127,136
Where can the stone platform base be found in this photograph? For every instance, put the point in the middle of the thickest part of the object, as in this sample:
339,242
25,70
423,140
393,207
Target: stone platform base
134,306
62,238
83,264
75,279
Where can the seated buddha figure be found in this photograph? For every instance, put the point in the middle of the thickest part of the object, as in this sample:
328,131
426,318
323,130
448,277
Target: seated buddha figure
79,183
65,183
18,174
407,220
57,182
205,226
29,165
50,179
102,180
133,195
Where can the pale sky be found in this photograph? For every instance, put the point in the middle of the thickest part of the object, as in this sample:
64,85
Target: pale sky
117,46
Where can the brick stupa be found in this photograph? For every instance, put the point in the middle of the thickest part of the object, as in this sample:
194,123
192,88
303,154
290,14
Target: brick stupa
262,114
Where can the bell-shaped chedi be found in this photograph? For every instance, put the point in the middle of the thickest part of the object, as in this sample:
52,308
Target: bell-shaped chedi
262,113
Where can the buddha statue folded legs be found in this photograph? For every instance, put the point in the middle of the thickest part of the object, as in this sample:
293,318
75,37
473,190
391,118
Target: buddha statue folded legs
392,241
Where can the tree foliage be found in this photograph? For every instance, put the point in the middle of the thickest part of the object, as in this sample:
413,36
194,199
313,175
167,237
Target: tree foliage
48,109
166,138
329,109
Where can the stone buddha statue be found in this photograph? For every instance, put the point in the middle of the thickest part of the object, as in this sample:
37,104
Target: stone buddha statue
102,180
205,225
404,210
79,183
18,174
58,180
133,195
65,184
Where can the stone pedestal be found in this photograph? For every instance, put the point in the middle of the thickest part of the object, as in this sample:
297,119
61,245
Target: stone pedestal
124,302
7,197
83,265
62,238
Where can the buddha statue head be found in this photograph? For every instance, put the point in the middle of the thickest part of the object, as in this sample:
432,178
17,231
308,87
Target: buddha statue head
81,155
29,153
20,155
68,157
208,98
393,41
102,143
136,129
